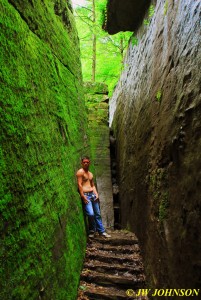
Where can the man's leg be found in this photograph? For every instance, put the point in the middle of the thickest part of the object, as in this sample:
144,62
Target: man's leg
97,216
90,214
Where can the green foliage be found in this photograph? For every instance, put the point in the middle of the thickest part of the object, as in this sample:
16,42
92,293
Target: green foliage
146,22
134,40
82,287
42,121
150,15
109,49
159,95
151,11
101,8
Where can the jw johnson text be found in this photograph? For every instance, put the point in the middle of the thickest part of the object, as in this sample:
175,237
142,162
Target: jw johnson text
163,292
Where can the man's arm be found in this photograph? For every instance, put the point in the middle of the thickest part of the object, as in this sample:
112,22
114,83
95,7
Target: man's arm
94,188
79,182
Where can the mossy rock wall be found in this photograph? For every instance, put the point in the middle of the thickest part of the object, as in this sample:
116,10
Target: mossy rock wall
42,115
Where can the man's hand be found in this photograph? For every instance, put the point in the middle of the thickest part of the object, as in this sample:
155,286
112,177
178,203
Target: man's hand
97,197
85,200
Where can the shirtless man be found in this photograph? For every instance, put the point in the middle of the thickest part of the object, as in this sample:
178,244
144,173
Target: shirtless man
90,198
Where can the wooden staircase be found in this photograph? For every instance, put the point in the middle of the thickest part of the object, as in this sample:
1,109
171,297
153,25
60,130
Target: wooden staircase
112,267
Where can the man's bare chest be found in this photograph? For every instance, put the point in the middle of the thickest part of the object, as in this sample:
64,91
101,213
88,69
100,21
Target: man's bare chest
87,177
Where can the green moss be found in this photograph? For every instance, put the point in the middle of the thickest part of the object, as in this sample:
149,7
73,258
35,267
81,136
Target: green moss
159,95
165,7
134,40
158,187
150,15
43,135
95,96
95,88
163,206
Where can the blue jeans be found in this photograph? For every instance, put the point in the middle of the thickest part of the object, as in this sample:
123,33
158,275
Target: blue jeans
92,210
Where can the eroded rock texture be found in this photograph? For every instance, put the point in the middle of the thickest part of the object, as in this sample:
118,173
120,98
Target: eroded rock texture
96,95
155,113
43,127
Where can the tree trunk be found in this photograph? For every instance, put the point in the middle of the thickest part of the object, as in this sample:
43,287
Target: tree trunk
93,77
94,59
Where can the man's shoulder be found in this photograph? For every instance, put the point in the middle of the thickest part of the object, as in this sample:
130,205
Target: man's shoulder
80,172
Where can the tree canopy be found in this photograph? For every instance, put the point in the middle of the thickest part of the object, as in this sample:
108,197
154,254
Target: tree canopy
101,53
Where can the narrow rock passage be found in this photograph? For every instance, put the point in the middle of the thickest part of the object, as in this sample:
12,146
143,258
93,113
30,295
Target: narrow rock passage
111,267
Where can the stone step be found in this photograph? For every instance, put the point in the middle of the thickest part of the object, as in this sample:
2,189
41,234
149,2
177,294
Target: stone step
130,281
113,268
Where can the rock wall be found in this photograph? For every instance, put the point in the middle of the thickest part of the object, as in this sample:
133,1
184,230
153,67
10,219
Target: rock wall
98,109
43,136
124,15
155,113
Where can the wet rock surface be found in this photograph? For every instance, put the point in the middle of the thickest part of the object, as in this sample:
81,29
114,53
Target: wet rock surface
155,113
96,95
112,266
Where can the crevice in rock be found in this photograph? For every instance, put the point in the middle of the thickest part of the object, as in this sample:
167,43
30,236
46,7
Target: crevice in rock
24,18
115,187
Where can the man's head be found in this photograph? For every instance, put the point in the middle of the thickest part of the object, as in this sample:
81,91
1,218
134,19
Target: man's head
85,162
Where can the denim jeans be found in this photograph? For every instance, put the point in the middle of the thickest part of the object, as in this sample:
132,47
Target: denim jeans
92,210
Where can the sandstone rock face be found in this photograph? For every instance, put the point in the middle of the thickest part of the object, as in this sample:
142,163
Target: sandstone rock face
43,127
155,113
97,103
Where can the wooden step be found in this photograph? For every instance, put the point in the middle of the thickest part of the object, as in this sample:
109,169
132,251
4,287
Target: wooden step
104,279
112,268
133,259
115,241
117,249
97,292
112,265
94,291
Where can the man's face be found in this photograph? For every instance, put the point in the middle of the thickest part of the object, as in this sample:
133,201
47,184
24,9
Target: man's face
85,163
